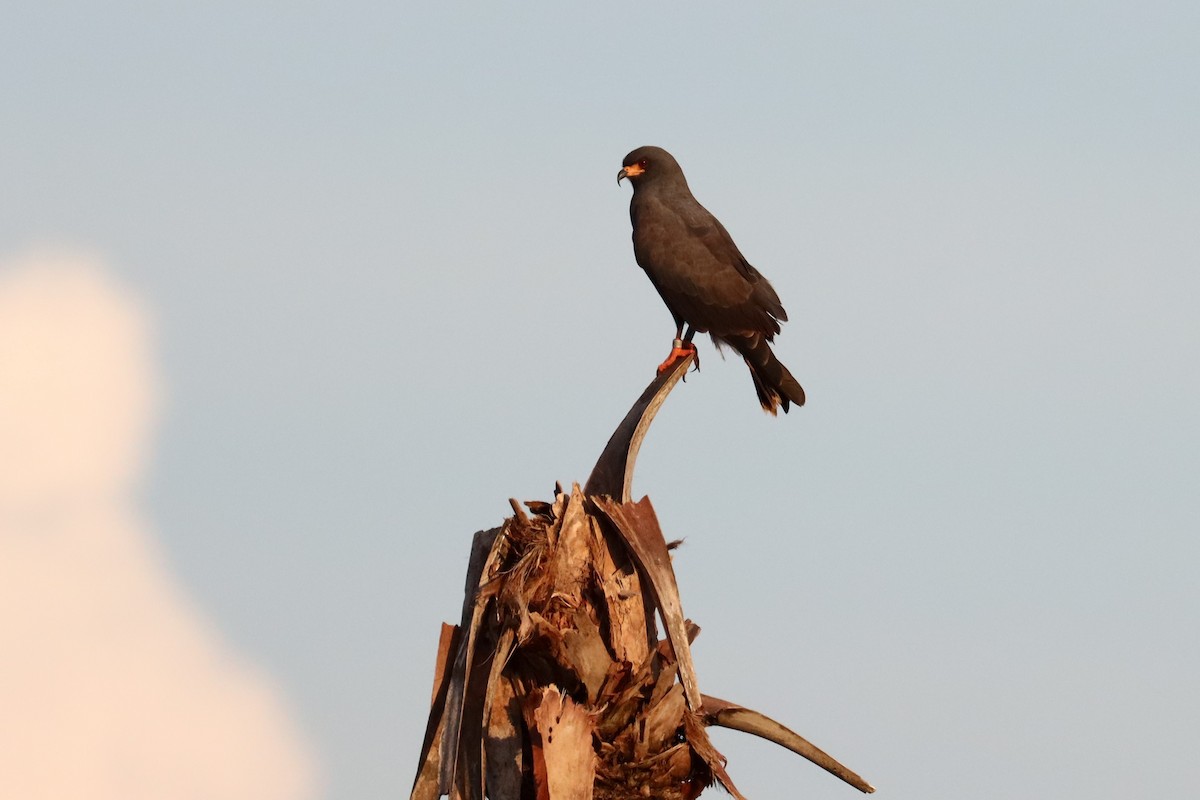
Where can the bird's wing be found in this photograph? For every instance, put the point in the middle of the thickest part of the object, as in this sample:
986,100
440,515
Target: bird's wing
763,293
699,271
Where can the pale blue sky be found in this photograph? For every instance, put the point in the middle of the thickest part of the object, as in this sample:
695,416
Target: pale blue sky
393,286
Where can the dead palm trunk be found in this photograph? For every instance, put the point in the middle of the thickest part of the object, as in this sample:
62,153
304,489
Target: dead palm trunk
555,685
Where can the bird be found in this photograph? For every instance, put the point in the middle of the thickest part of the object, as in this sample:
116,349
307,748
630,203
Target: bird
702,277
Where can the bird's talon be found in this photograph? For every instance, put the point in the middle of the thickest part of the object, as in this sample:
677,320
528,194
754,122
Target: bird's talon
679,351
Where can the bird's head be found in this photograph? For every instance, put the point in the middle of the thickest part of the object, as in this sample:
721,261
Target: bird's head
648,164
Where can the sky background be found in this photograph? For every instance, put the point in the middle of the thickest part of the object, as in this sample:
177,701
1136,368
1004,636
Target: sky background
317,287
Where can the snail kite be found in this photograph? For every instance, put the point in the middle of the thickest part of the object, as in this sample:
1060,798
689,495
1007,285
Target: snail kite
703,278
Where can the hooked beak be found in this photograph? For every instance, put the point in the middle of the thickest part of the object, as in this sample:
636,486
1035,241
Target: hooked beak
633,170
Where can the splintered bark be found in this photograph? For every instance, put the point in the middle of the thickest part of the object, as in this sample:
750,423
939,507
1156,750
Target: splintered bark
555,684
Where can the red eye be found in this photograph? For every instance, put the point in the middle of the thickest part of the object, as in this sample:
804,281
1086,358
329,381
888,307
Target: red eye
643,163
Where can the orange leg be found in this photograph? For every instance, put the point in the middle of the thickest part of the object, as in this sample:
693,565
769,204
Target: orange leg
680,349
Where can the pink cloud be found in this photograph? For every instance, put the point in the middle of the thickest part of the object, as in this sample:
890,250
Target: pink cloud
112,684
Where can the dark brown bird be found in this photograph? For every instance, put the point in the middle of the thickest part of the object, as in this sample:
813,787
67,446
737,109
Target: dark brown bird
703,278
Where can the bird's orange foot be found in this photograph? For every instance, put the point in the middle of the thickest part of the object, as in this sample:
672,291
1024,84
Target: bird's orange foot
679,351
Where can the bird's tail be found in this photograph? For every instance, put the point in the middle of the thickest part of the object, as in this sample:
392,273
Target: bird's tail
775,385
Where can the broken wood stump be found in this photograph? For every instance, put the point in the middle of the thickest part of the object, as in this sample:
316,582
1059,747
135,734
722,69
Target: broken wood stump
555,684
